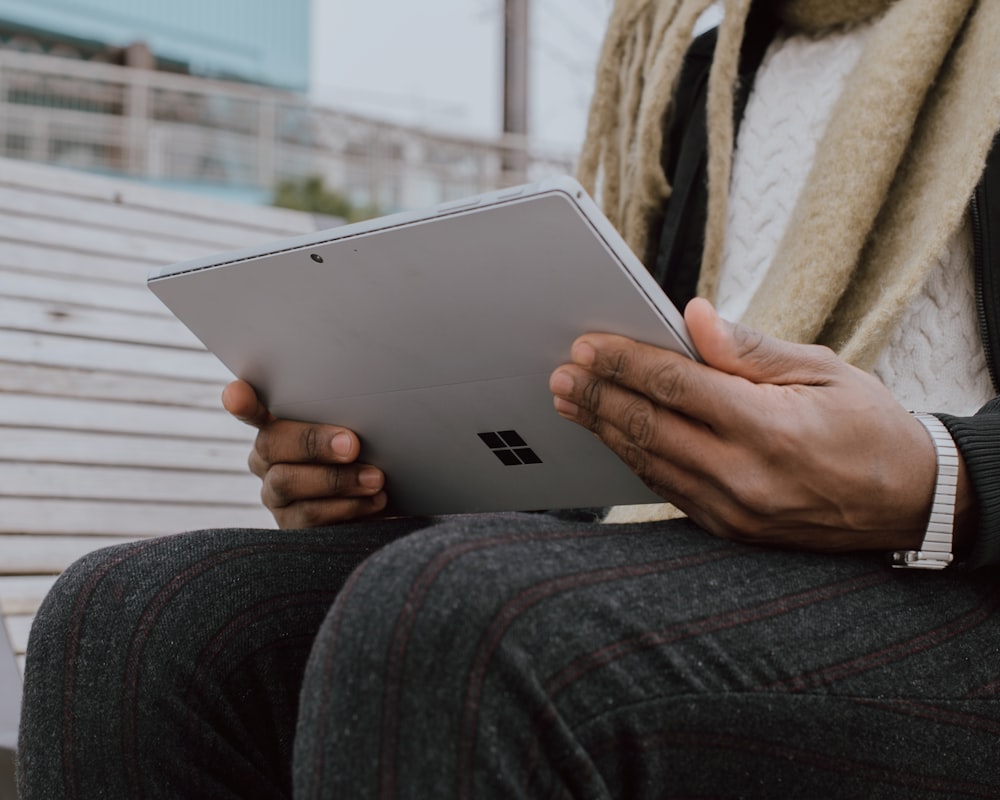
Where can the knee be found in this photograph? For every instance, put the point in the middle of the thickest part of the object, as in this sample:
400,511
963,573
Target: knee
116,599
441,582
72,653
434,604
86,599
428,646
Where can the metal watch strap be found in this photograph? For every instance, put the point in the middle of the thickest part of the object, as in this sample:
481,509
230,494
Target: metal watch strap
935,551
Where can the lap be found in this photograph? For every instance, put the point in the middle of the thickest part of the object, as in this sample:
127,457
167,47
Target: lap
615,656
689,650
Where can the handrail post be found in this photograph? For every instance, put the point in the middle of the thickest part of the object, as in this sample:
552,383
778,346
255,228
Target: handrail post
137,114
267,143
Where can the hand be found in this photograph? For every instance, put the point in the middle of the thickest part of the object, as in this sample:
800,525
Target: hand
308,471
766,442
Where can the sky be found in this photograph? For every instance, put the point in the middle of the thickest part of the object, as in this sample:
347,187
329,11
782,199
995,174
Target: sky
439,63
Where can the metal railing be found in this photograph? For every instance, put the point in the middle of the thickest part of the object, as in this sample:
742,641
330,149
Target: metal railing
180,129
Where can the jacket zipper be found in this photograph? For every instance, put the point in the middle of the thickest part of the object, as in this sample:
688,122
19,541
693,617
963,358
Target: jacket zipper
980,278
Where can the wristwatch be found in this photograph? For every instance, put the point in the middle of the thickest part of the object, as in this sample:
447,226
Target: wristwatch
935,551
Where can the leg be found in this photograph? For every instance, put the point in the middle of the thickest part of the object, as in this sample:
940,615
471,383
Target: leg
513,656
172,667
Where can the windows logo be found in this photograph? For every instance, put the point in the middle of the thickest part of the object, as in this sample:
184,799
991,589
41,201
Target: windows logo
510,448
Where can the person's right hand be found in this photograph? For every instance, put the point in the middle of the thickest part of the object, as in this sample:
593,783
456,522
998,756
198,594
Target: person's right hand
309,471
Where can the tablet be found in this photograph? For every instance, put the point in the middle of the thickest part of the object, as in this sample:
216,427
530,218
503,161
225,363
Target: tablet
432,335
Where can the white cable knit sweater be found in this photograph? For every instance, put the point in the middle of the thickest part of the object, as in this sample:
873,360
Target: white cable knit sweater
934,360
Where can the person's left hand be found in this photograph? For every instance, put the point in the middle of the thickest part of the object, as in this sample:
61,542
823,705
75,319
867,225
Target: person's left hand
767,441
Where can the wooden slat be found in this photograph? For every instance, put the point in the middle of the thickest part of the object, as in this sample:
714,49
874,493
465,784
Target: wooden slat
62,413
122,358
31,176
117,483
209,235
87,239
92,385
18,627
82,291
74,447
54,259
107,518
22,594
34,555
65,319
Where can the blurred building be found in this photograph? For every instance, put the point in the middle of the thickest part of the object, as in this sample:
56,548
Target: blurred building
259,41
210,95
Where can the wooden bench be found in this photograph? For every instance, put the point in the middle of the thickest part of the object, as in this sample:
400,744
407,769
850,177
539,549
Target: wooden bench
111,427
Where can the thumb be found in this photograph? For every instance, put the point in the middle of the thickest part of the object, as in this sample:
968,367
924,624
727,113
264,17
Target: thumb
240,400
742,351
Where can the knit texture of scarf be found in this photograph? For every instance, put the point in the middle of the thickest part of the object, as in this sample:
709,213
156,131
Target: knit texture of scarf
892,175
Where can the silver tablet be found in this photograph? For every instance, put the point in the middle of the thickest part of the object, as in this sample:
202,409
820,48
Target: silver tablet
433,335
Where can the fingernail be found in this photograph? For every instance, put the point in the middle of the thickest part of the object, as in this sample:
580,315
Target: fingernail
584,354
566,408
370,478
560,383
342,445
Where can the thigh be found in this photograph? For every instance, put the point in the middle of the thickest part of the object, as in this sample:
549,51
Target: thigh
513,656
172,667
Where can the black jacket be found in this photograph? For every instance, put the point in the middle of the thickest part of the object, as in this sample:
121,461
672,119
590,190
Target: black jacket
677,259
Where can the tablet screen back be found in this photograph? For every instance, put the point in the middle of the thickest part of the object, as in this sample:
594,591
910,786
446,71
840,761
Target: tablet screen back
433,335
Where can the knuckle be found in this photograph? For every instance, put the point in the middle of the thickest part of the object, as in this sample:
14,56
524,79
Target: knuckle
636,459
748,341
659,485
594,424
619,366
640,424
825,354
263,444
736,525
334,480
756,348
824,357
639,461
755,508
309,442
667,383
310,515
256,464
591,394
281,484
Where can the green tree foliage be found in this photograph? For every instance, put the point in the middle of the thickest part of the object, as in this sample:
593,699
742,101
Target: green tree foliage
309,194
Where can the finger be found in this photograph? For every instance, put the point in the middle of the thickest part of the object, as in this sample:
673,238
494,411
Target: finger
739,350
640,431
286,484
290,442
317,513
670,380
674,466
240,400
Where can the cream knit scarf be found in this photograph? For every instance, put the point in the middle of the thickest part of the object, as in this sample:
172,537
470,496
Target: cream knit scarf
892,175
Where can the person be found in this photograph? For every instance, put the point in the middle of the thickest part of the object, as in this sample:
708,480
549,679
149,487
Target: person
745,639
